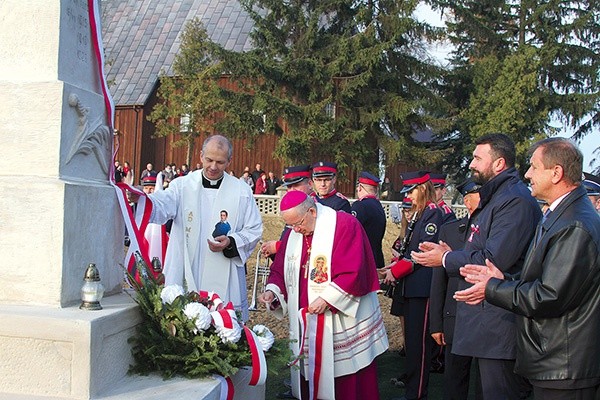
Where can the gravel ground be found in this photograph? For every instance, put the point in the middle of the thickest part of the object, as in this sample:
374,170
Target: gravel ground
272,231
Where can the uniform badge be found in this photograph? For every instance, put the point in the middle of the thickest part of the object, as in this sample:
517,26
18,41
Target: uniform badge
431,229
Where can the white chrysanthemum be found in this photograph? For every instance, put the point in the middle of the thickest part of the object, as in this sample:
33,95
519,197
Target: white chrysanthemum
170,293
265,336
230,335
200,313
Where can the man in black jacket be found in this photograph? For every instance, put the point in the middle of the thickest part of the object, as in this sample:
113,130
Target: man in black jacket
557,295
500,229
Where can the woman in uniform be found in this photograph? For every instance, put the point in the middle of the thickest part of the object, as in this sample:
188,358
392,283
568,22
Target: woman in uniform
413,281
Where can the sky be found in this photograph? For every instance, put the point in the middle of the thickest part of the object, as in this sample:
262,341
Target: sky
589,143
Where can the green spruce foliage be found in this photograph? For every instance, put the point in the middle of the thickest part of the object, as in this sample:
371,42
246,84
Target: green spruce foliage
340,79
190,98
168,342
519,66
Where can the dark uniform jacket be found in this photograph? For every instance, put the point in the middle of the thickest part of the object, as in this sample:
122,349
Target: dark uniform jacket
335,200
558,296
500,230
442,306
371,215
418,283
447,212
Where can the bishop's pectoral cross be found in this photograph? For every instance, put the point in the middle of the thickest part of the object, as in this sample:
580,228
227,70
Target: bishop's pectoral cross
306,263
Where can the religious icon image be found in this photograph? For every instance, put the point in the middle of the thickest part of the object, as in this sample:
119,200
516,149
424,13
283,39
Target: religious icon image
222,227
319,273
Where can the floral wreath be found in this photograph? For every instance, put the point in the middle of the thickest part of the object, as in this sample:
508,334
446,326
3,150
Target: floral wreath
196,335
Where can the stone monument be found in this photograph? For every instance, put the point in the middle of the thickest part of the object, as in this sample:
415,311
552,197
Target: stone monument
58,213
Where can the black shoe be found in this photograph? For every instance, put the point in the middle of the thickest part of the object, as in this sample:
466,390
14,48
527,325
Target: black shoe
286,395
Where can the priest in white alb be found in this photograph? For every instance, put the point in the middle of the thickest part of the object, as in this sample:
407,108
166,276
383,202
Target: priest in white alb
324,277
195,202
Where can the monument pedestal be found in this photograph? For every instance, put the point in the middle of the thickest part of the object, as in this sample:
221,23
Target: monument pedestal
68,353
65,352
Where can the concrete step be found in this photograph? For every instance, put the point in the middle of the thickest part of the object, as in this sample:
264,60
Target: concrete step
154,387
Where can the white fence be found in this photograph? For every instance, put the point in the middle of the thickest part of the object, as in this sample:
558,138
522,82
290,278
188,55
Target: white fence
269,205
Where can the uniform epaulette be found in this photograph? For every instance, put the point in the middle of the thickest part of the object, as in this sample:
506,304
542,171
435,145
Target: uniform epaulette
432,206
447,209
338,194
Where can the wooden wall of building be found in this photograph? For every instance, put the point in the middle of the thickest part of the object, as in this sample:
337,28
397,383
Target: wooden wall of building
138,146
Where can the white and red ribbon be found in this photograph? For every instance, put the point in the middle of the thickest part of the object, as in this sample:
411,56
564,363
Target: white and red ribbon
259,362
224,317
313,326
316,328
135,228
302,313
217,303
98,48
156,234
227,388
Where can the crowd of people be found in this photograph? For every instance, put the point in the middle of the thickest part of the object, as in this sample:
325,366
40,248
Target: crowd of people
259,181
506,291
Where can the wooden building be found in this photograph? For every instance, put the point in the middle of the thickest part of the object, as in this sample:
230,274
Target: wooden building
141,39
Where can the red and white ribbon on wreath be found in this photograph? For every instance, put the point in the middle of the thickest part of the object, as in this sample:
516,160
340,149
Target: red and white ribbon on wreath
227,388
259,362
302,318
217,303
156,234
224,317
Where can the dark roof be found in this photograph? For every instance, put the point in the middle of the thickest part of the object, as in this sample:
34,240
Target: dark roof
142,37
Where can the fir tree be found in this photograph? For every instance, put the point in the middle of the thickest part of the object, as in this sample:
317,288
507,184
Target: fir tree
522,64
191,101
339,80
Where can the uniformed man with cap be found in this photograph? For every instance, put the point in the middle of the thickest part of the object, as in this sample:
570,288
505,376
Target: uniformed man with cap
439,184
294,178
324,177
442,306
370,213
149,182
592,185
